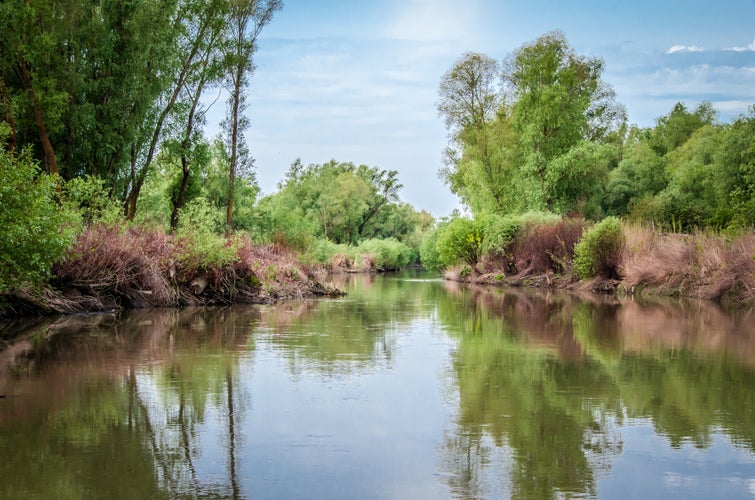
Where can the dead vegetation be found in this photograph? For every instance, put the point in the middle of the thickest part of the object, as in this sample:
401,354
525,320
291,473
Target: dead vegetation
112,268
709,266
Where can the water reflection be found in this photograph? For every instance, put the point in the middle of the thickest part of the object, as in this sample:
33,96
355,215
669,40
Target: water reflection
112,404
406,388
351,334
553,378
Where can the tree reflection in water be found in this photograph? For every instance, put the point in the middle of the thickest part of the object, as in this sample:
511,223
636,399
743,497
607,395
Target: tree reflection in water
551,377
539,387
133,391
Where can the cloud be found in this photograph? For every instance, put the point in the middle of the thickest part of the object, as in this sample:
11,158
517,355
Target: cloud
750,47
684,48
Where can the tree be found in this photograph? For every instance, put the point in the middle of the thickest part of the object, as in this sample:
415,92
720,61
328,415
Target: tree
246,20
735,170
558,100
504,156
198,24
342,202
675,128
204,29
486,176
468,96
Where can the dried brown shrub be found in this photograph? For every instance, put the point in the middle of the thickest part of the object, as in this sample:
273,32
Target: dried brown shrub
541,248
700,265
340,262
119,267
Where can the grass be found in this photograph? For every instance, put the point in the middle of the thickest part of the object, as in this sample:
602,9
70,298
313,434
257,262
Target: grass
707,266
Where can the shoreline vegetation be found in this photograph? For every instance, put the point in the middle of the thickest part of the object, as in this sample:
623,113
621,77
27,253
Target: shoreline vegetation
608,258
102,208
114,268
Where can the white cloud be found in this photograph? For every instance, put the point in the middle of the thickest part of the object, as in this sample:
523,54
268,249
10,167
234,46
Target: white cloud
750,47
684,48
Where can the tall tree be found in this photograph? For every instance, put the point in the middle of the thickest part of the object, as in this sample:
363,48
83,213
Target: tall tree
196,26
468,94
203,37
469,102
246,20
559,99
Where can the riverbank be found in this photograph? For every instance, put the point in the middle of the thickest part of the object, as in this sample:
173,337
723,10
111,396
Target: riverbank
704,266
113,268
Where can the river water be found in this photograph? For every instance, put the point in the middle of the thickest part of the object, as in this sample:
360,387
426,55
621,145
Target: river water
408,387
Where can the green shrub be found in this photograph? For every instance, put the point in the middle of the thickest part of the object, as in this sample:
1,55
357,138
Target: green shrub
387,254
428,251
461,241
35,230
599,251
500,233
200,244
323,250
90,197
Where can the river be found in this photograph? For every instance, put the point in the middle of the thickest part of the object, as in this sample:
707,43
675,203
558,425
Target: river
408,387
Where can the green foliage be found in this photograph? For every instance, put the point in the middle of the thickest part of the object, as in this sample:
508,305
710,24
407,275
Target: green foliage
500,233
387,254
641,173
278,219
675,128
201,245
90,197
574,180
551,141
461,241
428,251
322,251
342,202
35,230
599,251
735,171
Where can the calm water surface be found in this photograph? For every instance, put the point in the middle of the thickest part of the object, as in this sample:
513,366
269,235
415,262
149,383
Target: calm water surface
409,387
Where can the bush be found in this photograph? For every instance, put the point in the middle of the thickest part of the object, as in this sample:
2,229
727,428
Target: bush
386,254
35,230
323,251
599,251
546,246
126,267
90,197
199,244
428,251
500,233
460,242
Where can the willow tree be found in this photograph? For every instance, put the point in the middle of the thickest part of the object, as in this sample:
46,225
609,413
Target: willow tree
246,20
479,160
559,100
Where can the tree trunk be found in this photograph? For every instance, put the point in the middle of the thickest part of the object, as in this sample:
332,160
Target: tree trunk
234,145
50,162
181,198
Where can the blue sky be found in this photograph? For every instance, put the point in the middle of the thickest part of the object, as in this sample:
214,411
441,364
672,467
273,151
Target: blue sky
357,80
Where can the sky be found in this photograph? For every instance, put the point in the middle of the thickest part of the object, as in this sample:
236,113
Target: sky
357,80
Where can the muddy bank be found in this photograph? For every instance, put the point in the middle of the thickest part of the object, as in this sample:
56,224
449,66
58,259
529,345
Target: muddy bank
734,296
